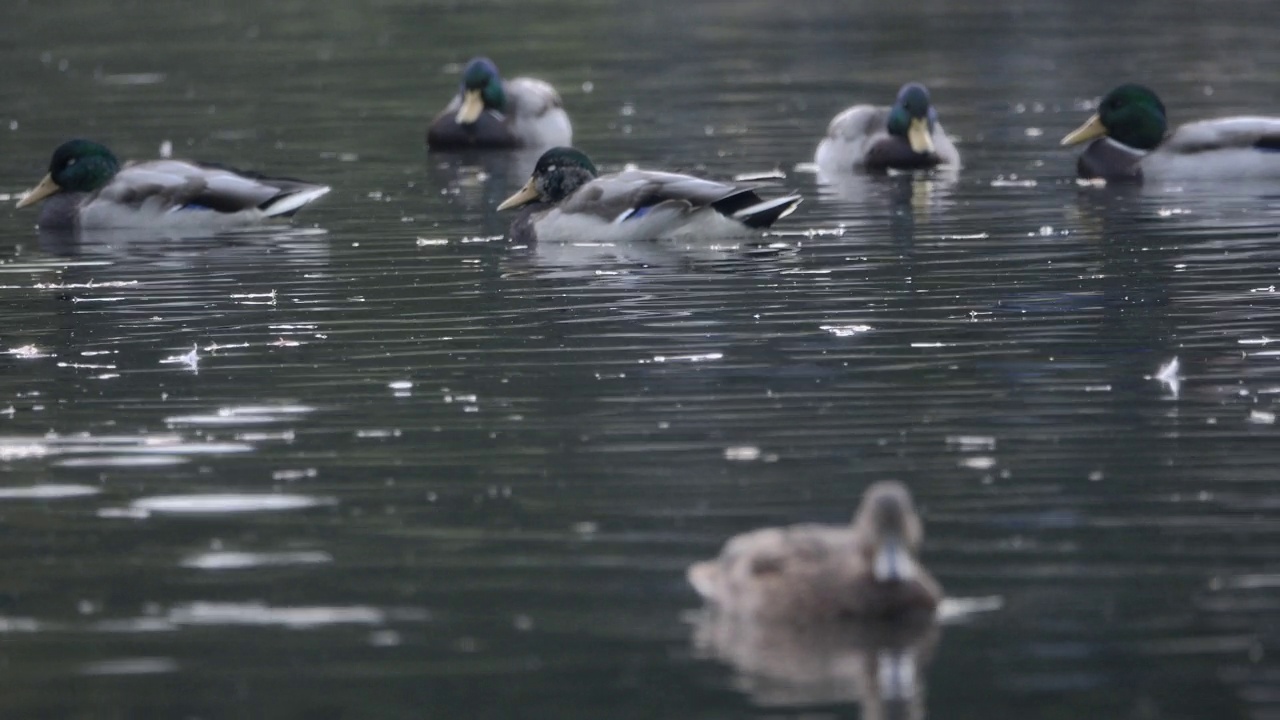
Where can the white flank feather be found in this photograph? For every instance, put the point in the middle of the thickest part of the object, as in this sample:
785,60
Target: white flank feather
292,202
768,205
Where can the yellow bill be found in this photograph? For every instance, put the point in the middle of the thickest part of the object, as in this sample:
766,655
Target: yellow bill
472,106
46,188
919,137
523,196
1091,129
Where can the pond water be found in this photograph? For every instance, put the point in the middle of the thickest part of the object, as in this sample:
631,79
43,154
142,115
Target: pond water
386,464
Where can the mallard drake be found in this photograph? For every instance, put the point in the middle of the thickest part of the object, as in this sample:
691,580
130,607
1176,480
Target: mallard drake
87,188
814,573
568,200
1131,142
489,112
906,136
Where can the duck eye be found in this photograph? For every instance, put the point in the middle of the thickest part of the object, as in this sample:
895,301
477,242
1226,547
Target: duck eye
71,162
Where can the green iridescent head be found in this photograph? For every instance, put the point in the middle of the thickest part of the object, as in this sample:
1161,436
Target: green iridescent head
912,117
1130,114
481,90
559,172
80,166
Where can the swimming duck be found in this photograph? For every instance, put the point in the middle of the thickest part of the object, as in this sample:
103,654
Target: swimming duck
86,187
489,112
567,200
815,573
906,136
1131,141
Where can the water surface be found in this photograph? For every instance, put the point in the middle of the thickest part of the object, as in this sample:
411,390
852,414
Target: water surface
387,464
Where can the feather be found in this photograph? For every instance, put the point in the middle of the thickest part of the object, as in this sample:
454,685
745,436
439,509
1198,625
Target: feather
1223,133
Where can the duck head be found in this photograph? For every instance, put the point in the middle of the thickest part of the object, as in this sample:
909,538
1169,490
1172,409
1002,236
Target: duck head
481,90
80,166
559,172
1130,114
912,117
888,517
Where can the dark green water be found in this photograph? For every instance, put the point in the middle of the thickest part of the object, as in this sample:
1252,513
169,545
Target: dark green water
506,536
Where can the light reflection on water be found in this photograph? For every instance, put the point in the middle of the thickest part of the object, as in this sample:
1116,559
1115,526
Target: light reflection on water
385,462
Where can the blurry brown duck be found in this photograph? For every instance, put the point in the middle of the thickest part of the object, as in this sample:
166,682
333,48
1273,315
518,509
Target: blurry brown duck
813,573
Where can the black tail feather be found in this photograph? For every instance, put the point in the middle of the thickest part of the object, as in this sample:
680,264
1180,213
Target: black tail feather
1268,142
769,212
740,200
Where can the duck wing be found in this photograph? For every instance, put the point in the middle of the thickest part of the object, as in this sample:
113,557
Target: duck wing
537,114
530,97
943,147
1243,132
179,185
798,570
858,123
630,193
635,194
850,137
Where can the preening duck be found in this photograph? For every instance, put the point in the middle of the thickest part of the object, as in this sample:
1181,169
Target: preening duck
566,199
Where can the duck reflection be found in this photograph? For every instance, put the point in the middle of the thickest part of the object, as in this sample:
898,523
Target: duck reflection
918,194
649,262
875,663
128,248
98,283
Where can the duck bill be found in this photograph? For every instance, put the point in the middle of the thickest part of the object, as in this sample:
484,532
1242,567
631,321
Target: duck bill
893,563
705,578
1091,129
523,196
46,188
472,106
919,137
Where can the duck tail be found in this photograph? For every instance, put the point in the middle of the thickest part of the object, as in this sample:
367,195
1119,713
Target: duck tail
764,214
292,200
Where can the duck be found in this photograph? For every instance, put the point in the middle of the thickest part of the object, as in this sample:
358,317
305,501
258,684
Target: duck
1129,140
566,199
904,136
87,187
491,113
812,573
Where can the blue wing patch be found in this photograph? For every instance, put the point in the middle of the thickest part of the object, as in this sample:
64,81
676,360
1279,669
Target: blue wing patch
632,214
